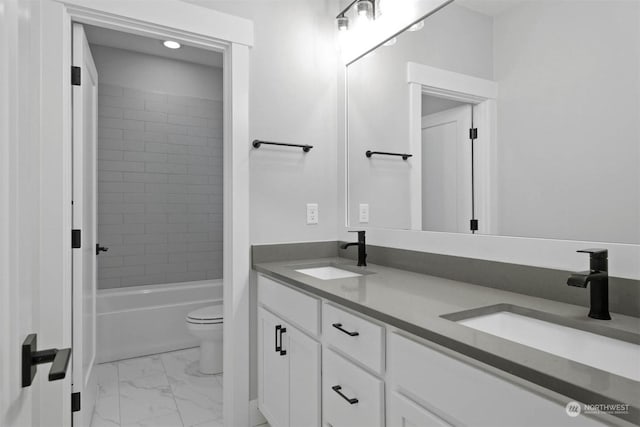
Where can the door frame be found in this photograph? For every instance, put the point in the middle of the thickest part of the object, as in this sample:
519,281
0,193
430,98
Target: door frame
482,94
196,26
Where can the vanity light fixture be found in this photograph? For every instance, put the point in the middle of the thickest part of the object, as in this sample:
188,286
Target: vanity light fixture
364,8
343,23
171,44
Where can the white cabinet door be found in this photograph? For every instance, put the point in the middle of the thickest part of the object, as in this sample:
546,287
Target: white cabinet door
404,413
273,370
304,379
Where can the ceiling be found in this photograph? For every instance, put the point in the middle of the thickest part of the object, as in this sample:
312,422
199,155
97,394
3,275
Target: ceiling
489,7
132,42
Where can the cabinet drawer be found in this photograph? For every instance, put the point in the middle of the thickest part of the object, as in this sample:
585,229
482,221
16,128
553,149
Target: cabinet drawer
355,336
296,307
461,393
343,381
401,412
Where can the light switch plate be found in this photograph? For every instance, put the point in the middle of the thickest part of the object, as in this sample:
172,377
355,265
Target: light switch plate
312,213
364,213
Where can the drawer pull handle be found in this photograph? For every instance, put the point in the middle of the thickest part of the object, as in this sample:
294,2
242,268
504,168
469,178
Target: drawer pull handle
337,389
282,352
278,347
338,326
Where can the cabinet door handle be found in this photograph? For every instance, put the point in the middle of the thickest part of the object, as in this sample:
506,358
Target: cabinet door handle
338,326
282,331
278,347
337,389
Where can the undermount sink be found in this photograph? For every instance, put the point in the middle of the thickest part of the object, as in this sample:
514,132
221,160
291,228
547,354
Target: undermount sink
601,347
328,272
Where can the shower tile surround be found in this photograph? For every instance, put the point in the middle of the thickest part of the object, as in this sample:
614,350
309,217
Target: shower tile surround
159,187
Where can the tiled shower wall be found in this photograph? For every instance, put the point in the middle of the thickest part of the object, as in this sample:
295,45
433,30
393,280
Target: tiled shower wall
159,187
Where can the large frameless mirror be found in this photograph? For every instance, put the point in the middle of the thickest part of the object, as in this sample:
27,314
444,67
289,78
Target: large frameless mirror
514,118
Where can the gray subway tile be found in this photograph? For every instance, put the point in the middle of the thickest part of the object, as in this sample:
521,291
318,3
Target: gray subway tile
144,156
120,166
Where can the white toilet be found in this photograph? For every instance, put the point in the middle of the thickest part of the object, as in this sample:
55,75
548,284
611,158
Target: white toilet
206,324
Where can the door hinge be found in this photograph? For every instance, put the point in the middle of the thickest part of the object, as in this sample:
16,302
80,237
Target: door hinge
75,401
473,133
473,225
76,239
75,75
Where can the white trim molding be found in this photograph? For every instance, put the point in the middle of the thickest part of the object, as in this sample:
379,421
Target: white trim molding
186,23
427,80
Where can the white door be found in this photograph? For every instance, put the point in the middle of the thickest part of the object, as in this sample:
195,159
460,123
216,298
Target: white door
29,304
446,170
273,369
304,379
85,101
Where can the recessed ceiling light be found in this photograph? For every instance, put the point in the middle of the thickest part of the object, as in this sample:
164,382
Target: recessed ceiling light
171,44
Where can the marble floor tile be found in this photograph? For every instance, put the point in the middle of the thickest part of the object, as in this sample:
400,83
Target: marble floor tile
145,398
164,390
107,411
168,420
107,379
132,369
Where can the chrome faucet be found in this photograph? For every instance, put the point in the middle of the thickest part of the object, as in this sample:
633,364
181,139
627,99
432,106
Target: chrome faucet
598,276
362,248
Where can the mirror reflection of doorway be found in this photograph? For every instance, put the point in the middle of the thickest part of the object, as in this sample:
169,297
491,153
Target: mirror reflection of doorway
447,192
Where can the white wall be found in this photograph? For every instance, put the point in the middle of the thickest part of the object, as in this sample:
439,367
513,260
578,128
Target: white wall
157,74
568,115
455,39
292,99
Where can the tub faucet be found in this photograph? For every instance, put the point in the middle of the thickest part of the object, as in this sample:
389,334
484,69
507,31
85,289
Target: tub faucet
362,248
598,276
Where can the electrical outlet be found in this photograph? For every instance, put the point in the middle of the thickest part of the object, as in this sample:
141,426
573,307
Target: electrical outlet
312,213
364,213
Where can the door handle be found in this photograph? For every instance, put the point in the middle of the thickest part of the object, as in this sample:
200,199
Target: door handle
31,358
338,326
100,249
351,400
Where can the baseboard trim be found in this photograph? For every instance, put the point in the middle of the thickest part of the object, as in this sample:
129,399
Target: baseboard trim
255,416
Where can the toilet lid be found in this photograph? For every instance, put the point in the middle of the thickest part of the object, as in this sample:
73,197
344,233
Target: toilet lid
212,312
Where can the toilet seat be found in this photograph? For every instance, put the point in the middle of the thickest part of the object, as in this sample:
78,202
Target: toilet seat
209,315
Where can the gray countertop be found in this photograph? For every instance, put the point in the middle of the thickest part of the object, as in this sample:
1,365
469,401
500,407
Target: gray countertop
414,302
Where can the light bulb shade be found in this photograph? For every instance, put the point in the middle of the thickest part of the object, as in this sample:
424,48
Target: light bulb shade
365,8
171,44
343,23
390,42
417,26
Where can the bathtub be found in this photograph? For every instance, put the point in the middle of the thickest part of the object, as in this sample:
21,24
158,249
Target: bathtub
141,320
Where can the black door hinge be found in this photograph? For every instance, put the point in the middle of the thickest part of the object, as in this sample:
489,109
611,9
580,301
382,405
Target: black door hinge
75,401
75,75
76,239
473,225
473,133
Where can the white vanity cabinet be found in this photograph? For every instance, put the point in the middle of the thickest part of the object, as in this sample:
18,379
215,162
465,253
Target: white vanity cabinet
288,358
319,363
452,392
